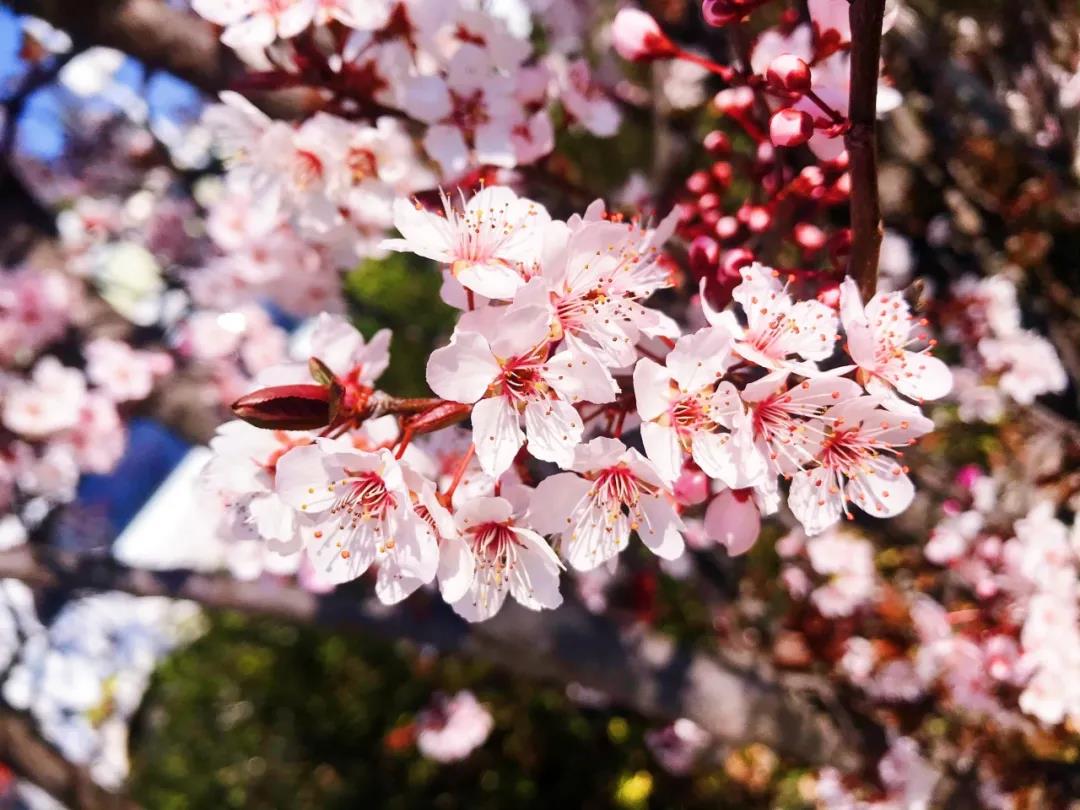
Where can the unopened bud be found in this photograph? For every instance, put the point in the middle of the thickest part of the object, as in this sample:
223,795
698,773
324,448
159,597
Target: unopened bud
790,127
809,237
718,143
789,72
732,262
719,13
704,254
639,38
286,407
734,100
698,182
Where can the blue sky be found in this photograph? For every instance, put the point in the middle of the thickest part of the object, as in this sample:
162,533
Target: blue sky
40,130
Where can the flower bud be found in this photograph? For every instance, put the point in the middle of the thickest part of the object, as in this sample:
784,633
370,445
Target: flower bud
758,219
718,143
809,237
734,100
727,227
638,37
286,407
691,487
732,262
441,415
790,127
704,254
789,72
698,183
721,173
719,13
733,520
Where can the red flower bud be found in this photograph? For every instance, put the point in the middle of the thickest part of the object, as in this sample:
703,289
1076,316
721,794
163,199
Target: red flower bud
718,143
435,418
790,73
790,127
286,407
639,38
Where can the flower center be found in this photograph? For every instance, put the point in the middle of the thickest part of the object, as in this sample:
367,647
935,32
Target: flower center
365,498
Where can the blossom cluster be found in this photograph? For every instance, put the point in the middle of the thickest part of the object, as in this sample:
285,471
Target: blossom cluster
556,360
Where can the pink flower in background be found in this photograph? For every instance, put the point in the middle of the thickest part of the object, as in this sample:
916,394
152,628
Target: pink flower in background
452,728
678,746
49,402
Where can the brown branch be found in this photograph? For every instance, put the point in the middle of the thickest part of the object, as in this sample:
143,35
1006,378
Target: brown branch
867,17
637,668
36,761
162,38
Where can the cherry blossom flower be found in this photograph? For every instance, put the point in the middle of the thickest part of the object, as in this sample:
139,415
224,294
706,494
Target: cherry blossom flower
505,368
684,410
452,728
677,746
617,491
596,277
779,333
495,554
488,247
355,510
471,113
848,562
48,403
877,340
257,23
855,446
122,372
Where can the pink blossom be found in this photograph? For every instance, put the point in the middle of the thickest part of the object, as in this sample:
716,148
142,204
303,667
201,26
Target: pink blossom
49,402
878,339
451,728
855,446
493,554
507,371
488,246
355,510
677,746
617,491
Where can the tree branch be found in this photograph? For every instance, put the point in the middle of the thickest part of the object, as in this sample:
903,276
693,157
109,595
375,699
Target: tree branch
866,17
637,668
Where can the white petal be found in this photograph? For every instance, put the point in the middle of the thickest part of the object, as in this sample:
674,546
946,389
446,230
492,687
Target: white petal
496,433
660,530
883,491
663,449
492,279
456,569
812,502
424,233
699,359
652,389
554,429
536,585
463,370
553,500
303,476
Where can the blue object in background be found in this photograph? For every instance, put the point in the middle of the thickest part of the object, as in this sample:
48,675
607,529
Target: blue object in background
152,453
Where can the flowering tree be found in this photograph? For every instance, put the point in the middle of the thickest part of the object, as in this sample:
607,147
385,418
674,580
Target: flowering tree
712,351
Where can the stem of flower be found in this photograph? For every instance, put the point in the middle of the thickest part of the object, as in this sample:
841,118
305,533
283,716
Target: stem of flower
458,474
